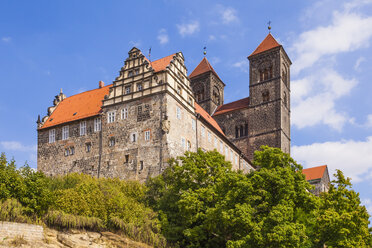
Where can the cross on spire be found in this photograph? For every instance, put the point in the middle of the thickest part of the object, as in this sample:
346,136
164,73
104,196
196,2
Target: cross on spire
205,51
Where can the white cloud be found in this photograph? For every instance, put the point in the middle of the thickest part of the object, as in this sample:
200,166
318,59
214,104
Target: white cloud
211,37
163,36
346,33
356,4
6,39
368,204
17,146
228,15
369,121
243,65
354,158
358,62
188,28
314,99
215,60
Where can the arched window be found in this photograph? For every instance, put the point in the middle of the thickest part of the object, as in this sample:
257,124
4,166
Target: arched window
216,95
285,75
265,70
265,96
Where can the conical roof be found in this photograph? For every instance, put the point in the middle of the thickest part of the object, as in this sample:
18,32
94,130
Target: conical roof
203,67
268,43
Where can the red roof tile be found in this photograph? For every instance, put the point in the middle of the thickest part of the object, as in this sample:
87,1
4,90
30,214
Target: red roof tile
239,104
207,117
314,172
161,64
78,106
268,43
204,66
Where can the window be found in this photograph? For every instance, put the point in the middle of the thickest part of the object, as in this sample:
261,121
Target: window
136,71
133,137
216,95
188,145
127,90
265,96
209,136
183,143
139,87
130,73
179,91
127,158
190,100
147,135
83,128
193,124
67,151
221,147
178,113
112,141
124,113
88,146
52,136
111,117
97,124
226,151
236,159
241,131
72,150
266,74
236,132
141,165
202,131
65,133
215,143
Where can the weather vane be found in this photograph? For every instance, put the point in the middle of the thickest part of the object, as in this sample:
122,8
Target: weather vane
269,27
205,51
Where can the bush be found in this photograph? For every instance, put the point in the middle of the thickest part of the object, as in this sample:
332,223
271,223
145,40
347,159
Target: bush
65,221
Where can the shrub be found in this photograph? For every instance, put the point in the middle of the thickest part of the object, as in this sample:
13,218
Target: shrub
65,221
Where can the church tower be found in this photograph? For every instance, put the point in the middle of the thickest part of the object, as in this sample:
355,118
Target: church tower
269,91
207,86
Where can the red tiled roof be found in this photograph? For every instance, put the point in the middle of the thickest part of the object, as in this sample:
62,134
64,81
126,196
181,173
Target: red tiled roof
239,104
268,43
83,105
161,64
207,117
204,66
314,172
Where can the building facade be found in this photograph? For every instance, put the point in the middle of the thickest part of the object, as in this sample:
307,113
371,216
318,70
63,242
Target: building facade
154,111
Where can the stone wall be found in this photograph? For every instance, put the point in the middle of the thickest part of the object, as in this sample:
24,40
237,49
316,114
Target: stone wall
11,230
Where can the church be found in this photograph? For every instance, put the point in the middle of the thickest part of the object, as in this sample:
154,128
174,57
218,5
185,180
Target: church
154,111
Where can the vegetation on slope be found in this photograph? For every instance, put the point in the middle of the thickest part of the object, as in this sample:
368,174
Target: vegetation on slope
199,201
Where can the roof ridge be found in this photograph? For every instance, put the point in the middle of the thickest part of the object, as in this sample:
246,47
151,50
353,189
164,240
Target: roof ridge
235,101
267,44
89,91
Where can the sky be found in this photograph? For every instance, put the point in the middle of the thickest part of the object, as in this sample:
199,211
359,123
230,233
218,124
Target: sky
49,45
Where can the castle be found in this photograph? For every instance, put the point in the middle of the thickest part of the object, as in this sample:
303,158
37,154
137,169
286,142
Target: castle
154,111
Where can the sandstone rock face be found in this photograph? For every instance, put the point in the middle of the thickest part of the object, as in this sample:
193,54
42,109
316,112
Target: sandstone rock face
35,236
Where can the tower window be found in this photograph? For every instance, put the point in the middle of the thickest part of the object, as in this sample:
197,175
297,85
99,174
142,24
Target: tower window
285,98
266,74
284,77
141,165
265,96
112,142
88,146
216,95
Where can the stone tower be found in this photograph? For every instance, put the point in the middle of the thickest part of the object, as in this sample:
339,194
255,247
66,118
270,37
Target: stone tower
269,91
207,86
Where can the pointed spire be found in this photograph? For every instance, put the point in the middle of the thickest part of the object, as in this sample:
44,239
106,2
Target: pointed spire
203,67
268,43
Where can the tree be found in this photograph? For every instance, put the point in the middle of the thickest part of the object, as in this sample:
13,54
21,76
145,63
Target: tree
203,203
342,221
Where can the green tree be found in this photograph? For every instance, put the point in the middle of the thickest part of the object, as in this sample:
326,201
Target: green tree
342,221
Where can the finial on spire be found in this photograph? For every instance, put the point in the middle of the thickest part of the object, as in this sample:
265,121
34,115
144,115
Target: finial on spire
61,91
150,53
269,27
205,51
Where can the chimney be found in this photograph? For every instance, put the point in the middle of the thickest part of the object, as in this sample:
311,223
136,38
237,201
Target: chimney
101,84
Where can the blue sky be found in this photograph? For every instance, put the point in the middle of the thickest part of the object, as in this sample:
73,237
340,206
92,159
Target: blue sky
48,45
